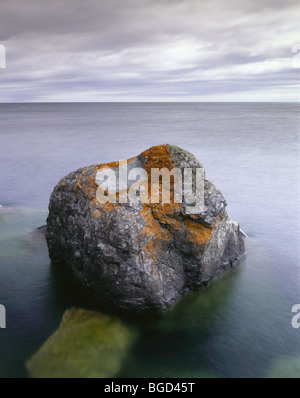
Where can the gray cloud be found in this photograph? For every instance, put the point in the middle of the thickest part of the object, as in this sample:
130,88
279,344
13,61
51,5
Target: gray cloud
122,50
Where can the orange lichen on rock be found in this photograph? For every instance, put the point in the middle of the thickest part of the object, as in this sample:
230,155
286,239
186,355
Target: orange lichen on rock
161,218
87,184
157,157
152,227
198,233
64,185
155,234
110,165
165,214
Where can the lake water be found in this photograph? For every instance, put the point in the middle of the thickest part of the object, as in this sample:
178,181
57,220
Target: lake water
240,326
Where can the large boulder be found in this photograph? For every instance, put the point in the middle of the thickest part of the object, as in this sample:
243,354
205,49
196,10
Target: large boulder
140,256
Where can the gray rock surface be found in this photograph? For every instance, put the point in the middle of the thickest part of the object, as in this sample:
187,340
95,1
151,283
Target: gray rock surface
140,256
40,230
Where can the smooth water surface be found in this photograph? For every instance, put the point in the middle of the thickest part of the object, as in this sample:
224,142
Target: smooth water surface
240,326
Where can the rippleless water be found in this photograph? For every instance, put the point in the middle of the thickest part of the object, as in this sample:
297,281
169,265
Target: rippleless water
240,326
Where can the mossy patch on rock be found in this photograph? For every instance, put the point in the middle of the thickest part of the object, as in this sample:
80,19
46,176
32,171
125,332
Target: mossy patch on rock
86,344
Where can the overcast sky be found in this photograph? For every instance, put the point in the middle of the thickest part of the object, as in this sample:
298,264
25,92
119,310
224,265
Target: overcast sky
150,50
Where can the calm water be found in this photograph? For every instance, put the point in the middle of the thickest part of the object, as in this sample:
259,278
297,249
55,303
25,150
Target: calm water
240,326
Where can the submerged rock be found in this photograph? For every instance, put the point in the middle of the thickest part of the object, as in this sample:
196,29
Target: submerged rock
42,230
284,368
86,344
140,256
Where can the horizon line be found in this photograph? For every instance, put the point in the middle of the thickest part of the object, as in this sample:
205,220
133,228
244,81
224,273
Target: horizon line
147,102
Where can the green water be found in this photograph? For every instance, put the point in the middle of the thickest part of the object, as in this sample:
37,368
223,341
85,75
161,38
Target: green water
239,326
